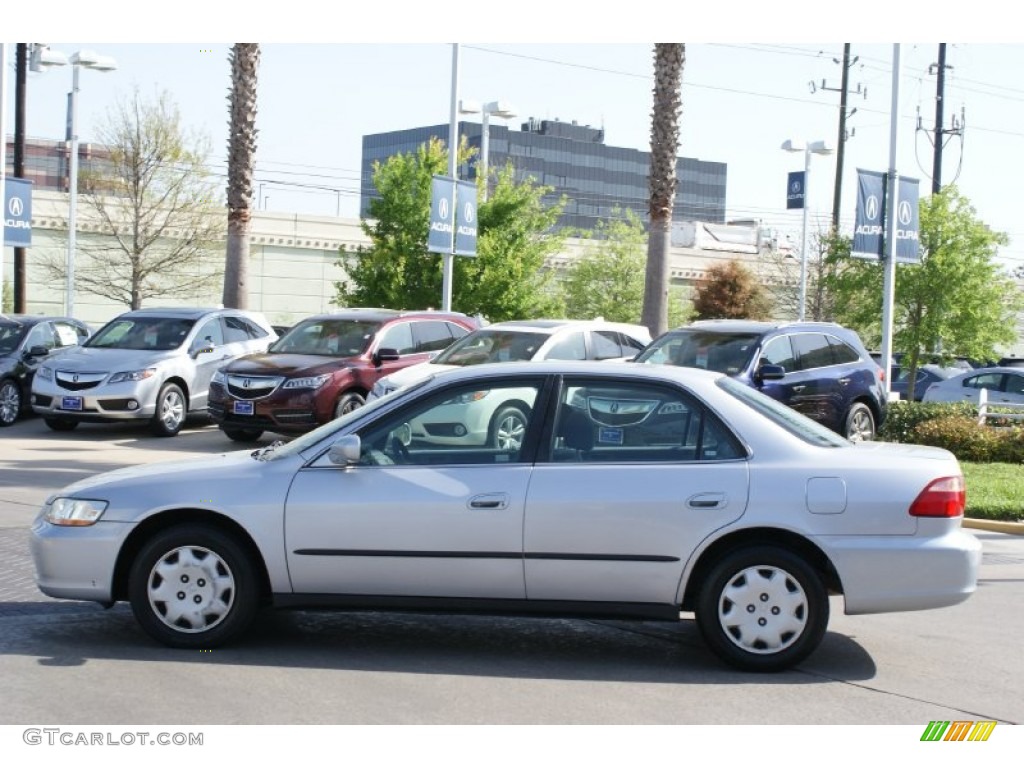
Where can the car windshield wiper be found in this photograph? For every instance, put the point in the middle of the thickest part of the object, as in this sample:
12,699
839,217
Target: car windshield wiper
261,454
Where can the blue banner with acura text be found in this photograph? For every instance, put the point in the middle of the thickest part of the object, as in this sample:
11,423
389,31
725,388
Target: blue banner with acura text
18,213
465,218
795,190
870,222
442,215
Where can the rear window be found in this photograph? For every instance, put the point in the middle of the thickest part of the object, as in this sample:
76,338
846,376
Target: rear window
790,420
724,352
492,346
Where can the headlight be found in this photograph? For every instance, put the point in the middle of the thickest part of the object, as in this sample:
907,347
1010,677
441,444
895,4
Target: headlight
65,511
468,397
219,377
145,373
307,382
45,373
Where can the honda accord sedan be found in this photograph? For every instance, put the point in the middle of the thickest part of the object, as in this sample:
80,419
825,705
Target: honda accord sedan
637,492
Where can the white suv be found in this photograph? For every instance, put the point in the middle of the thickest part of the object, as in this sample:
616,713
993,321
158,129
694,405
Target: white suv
149,364
501,422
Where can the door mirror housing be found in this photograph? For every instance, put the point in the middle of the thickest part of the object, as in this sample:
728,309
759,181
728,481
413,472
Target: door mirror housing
345,451
385,353
769,372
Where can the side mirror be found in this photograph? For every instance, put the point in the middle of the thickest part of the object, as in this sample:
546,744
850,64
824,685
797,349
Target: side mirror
345,451
38,350
197,351
386,353
769,372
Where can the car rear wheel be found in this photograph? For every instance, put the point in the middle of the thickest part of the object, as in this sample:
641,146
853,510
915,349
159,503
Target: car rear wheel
762,609
61,425
508,427
193,586
348,402
170,411
859,424
10,403
243,435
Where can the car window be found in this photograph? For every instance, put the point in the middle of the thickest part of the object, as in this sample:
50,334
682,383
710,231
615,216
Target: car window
340,336
211,333
631,346
779,351
841,351
1014,384
463,424
984,381
69,334
492,346
41,335
240,329
456,331
431,335
606,345
812,350
725,352
599,422
789,419
399,338
571,347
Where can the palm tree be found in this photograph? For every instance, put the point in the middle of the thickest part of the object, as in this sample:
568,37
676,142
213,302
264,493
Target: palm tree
245,59
668,75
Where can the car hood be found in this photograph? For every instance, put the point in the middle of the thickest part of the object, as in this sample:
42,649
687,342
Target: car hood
287,364
415,373
85,359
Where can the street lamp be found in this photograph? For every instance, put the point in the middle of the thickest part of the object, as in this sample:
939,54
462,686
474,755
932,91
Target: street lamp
497,108
808,148
89,60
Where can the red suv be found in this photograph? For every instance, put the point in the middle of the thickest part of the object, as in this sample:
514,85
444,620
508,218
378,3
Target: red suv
324,367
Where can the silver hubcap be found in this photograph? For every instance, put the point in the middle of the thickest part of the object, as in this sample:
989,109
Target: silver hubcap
763,609
860,427
509,434
172,409
191,589
10,403
348,406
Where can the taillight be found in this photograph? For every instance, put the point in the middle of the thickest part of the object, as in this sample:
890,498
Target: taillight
945,497
881,374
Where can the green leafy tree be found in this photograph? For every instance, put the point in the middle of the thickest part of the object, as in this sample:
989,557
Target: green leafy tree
956,301
507,279
731,290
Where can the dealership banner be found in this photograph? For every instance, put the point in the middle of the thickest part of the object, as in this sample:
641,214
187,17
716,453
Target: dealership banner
442,215
870,223
795,190
465,218
17,213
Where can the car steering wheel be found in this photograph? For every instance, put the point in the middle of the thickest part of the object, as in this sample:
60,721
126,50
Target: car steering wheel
397,449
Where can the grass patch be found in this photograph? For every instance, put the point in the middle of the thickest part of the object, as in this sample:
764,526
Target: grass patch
994,491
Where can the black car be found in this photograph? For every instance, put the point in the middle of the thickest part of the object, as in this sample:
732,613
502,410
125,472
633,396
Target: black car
25,341
819,369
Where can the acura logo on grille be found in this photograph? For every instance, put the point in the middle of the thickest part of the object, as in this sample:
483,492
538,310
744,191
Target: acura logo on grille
246,383
75,377
615,407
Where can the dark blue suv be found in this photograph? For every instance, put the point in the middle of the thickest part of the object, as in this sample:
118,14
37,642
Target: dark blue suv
819,369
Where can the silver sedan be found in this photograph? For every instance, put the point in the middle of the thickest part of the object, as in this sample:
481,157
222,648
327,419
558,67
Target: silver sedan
642,492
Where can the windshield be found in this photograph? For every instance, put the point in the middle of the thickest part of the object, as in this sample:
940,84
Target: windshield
150,333
492,346
721,351
335,337
790,420
11,335
310,439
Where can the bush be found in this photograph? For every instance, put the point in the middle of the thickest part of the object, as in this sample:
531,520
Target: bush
903,417
970,441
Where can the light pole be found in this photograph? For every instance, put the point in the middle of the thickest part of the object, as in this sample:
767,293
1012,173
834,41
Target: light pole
497,108
808,148
89,60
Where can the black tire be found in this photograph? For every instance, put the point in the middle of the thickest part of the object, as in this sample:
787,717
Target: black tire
205,592
171,410
348,402
766,626
859,423
60,425
10,402
508,428
242,435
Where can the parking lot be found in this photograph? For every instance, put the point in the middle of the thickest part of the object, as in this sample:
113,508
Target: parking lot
74,663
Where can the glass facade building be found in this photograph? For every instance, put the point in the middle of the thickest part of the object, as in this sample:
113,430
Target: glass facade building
574,160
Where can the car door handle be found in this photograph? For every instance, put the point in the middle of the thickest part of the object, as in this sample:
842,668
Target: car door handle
489,501
845,380
706,501
799,387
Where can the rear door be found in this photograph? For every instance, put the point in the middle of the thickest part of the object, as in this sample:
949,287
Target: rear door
633,477
817,391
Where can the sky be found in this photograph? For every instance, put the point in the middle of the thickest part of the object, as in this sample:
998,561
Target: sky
326,80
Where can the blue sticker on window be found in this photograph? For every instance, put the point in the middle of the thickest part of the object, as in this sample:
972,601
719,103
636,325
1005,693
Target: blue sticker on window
609,435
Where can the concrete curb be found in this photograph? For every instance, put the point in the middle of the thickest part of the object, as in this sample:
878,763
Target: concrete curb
998,526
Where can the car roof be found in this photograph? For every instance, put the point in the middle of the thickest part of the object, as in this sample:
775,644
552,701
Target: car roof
185,313
379,314
34,319
964,374
670,373
762,326
550,325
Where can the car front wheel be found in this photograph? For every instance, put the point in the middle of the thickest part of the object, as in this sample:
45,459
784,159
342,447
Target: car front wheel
508,428
762,609
859,424
347,403
170,411
61,425
193,586
10,403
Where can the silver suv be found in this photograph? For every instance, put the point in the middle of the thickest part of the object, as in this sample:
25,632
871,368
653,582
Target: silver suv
152,364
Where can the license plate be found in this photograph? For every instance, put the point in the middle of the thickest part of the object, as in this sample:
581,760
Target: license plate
242,408
71,403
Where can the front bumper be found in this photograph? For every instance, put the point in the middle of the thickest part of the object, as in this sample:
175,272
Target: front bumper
106,402
77,562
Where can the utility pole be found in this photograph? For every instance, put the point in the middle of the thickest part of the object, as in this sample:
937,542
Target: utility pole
939,142
20,80
844,92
